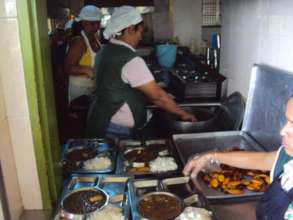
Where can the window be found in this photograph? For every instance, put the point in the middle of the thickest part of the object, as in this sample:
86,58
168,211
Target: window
211,13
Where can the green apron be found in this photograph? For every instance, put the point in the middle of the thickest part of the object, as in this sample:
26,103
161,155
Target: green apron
112,92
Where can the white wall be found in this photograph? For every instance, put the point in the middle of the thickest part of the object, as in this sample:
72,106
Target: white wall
187,21
255,31
17,156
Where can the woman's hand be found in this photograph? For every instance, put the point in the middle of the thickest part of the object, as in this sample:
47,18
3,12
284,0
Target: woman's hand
198,163
89,72
188,117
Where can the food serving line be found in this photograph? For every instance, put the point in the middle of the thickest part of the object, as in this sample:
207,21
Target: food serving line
128,181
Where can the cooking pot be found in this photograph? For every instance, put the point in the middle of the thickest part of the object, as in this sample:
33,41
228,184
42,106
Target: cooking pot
78,216
206,121
149,207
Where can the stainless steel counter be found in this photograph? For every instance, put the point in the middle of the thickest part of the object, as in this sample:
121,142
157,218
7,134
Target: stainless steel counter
233,211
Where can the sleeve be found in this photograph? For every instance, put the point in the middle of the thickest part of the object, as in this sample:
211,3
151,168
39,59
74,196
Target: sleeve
136,73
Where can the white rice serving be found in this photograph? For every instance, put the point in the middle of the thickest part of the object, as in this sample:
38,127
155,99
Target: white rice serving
163,164
194,213
97,163
107,213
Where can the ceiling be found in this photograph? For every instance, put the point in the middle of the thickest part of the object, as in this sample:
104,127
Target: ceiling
61,8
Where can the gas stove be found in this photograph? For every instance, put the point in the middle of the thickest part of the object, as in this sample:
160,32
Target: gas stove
192,76
192,82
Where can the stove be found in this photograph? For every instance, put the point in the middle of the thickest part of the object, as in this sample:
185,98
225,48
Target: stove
192,82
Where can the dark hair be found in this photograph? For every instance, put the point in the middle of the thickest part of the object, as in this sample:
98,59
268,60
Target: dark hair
136,26
76,28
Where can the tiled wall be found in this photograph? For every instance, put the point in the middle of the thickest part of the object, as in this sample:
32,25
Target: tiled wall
258,31
16,146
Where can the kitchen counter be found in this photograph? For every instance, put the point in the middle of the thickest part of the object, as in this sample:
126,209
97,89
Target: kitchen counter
232,211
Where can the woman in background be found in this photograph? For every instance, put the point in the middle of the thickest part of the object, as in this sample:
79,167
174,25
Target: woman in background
79,60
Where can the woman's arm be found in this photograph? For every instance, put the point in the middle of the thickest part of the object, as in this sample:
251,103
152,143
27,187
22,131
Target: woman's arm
240,159
160,98
77,48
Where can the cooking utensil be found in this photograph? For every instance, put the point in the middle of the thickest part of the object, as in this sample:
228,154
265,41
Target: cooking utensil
206,121
160,205
79,216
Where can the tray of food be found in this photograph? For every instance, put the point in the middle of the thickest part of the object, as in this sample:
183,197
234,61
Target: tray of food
166,199
229,182
145,158
89,156
95,196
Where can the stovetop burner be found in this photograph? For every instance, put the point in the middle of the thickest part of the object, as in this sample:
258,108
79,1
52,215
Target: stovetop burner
192,75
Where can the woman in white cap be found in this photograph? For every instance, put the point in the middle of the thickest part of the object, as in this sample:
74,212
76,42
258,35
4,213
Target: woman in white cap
124,80
79,60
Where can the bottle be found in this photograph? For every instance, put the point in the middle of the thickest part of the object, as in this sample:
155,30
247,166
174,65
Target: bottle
208,61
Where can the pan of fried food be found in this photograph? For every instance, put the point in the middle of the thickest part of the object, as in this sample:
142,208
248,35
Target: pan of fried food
235,181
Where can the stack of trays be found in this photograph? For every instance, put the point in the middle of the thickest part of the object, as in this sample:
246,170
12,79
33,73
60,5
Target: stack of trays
112,188
89,156
178,188
148,159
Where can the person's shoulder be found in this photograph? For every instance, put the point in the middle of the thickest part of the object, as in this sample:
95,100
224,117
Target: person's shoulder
77,41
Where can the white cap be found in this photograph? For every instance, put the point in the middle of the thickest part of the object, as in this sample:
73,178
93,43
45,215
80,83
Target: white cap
89,13
123,17
68,24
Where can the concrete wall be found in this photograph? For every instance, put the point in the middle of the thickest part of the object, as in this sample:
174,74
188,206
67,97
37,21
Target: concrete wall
186,22
255,31
180,18
17,152
161,21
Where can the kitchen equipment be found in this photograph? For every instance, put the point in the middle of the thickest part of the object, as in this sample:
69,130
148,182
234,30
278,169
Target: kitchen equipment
113,187
160,205
179,187
102,150
196,83
206,121
227,115
68,201
231,114
269,91
161,148
166,55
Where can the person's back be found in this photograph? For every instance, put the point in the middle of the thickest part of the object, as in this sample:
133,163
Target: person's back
112,92
124,80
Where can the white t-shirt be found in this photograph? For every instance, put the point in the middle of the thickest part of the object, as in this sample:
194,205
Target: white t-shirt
135,73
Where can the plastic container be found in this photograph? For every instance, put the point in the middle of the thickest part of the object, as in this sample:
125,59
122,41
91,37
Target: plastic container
166,55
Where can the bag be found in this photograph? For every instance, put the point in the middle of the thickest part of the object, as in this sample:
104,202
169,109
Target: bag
274,203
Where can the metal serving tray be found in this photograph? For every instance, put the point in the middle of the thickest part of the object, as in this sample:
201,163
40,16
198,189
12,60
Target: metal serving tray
116,188
191,197
105,148
125,145
188,145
